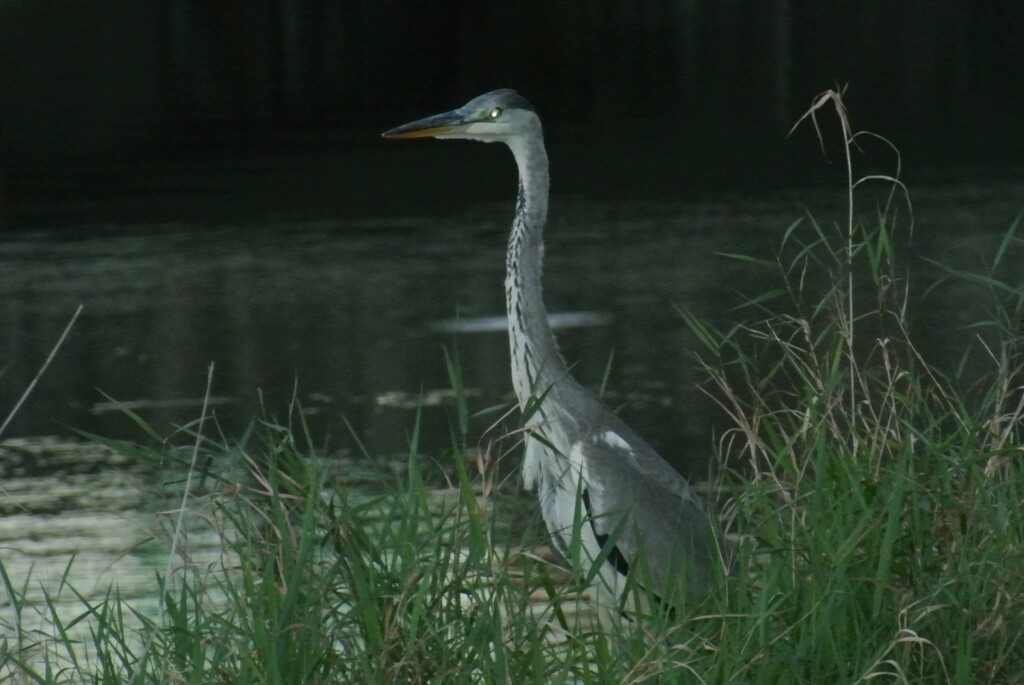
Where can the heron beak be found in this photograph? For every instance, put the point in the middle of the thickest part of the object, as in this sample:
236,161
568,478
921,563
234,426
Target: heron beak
437,125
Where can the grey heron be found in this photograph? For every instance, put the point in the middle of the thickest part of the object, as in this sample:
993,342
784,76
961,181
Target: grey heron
602,489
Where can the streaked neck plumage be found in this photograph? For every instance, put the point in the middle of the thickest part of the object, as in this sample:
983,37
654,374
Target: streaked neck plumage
536,363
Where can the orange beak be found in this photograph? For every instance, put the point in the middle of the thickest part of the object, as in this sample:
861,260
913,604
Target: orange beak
437,125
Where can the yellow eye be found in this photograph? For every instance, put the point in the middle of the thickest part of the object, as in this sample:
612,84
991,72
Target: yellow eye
495,113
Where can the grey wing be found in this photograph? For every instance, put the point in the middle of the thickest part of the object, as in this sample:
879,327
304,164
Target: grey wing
634,494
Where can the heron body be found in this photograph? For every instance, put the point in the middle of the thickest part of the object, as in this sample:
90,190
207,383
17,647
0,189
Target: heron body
603,490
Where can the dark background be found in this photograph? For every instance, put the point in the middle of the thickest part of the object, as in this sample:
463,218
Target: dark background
105,100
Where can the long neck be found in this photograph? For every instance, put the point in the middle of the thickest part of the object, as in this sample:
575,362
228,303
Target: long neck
536,362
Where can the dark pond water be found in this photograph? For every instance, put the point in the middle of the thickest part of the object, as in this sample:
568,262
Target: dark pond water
350,316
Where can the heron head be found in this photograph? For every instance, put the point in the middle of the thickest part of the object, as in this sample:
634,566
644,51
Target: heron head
500,115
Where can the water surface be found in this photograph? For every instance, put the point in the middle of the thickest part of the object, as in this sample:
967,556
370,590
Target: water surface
349,317
345,320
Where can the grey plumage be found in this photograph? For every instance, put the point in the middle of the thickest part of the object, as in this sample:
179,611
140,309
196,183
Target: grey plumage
580,457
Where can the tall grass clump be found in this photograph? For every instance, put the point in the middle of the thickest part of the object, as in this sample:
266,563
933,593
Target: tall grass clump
323,571
880,506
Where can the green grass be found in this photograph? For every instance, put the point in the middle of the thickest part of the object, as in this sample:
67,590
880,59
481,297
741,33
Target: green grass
874,501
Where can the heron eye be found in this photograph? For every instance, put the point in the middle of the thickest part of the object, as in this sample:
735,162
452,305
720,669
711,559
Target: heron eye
495,113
